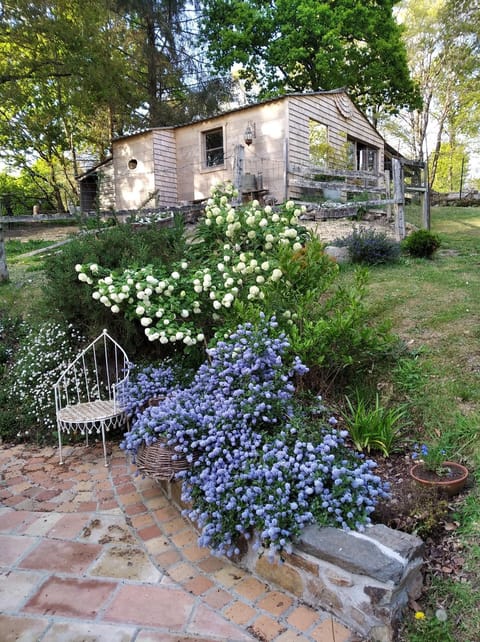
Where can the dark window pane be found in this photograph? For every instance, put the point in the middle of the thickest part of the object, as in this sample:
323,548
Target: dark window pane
214,148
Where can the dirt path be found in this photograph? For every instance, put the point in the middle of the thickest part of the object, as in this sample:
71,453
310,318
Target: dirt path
39,232
327,231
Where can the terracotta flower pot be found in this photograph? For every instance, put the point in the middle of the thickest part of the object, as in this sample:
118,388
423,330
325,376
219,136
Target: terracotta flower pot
452,483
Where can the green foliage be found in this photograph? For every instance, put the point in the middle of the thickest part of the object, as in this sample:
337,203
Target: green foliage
370,247
18,194
451,168
428,628
335,337
421,244
16,247
409,374
231,265
315,45
433,457
244,262
66,298
373,427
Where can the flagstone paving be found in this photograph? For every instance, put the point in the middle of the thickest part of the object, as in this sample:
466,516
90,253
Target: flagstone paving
98,554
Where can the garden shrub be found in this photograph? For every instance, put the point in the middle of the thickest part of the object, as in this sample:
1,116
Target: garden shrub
150,383
66,299
43,353
12,422
255,468
370,247
336,337
246,261
421,244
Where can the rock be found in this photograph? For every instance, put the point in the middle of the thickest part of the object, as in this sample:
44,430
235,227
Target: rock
339,254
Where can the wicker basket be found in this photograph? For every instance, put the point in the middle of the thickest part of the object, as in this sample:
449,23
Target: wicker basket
160,461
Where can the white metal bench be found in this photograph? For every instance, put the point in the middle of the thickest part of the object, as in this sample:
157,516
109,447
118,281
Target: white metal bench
89,395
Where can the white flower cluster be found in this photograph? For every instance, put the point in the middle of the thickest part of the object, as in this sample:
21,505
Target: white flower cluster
41,359
150,218
171,304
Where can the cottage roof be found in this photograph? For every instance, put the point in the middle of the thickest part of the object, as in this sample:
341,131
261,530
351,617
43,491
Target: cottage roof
94,169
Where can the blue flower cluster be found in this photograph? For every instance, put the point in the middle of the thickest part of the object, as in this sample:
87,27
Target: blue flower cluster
147,383
250,470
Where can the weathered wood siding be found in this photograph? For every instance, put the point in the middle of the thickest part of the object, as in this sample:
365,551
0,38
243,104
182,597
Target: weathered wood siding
134,185
264,158
339,114
165,168
106,187
170,162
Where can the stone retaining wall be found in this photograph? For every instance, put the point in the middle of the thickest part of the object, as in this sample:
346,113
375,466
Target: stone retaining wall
364,579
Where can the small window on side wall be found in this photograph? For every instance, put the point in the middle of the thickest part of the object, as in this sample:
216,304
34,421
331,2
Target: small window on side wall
213,147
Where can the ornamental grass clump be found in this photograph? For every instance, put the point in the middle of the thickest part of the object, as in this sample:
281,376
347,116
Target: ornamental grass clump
254,470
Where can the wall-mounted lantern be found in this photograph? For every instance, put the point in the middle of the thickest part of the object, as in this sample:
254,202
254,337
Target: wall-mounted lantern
249,134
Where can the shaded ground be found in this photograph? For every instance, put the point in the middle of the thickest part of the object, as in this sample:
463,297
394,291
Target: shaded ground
426,512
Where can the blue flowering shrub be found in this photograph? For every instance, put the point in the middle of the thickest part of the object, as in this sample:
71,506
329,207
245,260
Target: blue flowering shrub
261,462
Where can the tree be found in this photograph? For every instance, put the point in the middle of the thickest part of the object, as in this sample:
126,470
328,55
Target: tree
18,194
442,60
74,75
298,45
451,168
62,73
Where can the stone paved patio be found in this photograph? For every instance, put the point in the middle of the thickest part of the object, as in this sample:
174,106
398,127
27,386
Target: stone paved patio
99,555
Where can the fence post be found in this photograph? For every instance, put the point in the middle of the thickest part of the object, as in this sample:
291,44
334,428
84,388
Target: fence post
399,198
3,258
388,194
426,215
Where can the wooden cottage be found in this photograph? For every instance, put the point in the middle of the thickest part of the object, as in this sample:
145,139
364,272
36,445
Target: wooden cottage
261,148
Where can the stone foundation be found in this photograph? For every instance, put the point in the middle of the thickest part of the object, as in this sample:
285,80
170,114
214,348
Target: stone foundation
364,579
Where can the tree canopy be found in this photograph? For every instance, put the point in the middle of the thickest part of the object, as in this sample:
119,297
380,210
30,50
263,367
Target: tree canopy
442,42
74,75
298,45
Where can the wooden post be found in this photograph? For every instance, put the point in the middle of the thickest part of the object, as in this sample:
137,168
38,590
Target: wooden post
238,171
426,214
3,258
388,194
399,198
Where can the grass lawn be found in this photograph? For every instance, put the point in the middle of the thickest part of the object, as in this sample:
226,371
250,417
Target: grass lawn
435,307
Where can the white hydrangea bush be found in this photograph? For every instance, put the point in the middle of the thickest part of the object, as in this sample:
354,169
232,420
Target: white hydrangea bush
240,247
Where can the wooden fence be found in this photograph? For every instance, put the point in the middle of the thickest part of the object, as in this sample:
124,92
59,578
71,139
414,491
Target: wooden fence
356,189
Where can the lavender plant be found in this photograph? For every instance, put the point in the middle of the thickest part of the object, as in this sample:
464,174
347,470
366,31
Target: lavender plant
251,470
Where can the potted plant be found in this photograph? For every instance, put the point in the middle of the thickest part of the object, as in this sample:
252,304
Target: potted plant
433,469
